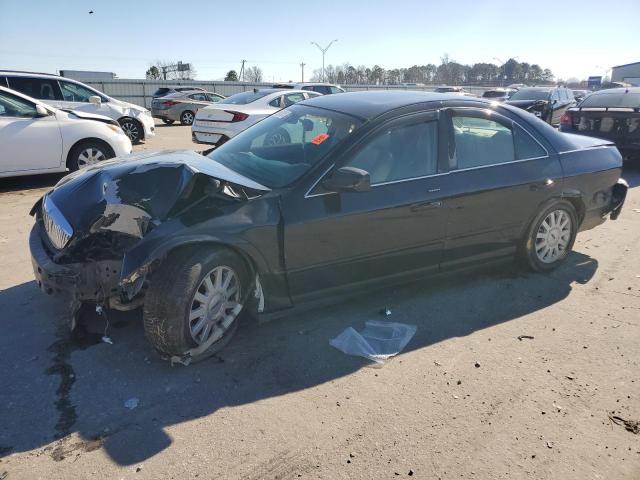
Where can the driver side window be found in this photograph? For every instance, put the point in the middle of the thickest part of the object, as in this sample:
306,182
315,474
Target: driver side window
72,92
400,152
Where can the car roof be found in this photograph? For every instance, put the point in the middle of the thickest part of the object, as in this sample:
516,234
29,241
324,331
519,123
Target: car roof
371,104
617,90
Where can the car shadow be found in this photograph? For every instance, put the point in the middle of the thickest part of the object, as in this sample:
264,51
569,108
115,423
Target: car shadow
59,386
28,182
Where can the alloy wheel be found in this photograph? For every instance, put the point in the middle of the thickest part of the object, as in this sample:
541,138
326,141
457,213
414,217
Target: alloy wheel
131,129
553,236
214,305
187,118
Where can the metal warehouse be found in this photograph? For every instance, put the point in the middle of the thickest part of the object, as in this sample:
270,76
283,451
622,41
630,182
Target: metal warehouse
629,73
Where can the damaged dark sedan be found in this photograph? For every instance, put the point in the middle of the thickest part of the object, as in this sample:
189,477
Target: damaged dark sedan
370,188
546,103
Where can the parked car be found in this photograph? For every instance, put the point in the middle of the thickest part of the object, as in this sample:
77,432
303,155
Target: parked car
61,92
579,95
217,123
364,193
547,103
182,106
37,138
499,94
455,90
163,91
517,86
612,114
323,88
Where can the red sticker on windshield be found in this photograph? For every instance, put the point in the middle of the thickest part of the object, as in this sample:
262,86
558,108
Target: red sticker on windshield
319,139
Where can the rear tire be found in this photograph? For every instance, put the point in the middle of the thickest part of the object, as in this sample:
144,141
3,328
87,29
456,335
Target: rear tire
187,117
550,237
87,153
179,292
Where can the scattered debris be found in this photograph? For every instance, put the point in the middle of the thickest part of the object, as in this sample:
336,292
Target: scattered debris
549,444
138,468
637,210
569,377
132,403
521,337
437,364
378,341
477,365
410,473
4,475
108,340
386,311
632,426
557,407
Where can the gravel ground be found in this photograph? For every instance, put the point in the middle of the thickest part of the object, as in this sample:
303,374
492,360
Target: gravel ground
466,399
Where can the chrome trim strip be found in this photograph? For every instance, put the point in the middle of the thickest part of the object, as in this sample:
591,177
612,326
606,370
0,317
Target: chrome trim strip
595,147
307,195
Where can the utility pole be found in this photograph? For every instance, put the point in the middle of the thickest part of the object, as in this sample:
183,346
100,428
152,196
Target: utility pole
302,66
324,50
241,76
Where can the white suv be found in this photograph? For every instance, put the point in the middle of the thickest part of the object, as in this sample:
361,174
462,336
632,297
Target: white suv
65,93
322,88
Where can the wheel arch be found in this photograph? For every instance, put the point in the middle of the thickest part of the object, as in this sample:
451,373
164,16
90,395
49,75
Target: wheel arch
86,140
574,197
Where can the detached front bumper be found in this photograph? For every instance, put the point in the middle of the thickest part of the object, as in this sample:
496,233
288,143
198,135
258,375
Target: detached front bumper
76,282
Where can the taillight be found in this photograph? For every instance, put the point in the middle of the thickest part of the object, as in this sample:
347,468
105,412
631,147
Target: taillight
565,119
169,103
237,116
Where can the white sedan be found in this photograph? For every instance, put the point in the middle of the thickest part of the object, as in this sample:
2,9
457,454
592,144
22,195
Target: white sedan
36,138
217,123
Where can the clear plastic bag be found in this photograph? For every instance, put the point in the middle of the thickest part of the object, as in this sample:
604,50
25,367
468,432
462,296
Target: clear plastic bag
378,341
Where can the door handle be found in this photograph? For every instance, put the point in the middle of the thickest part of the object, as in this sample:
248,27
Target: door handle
548,183
426,206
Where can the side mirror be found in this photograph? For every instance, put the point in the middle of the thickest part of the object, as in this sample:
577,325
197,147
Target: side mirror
348,179
41,111
95,99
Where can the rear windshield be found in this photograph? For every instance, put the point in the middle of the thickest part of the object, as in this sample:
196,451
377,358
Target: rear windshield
530,94
614,99
160,92
446,89
494,94
246,97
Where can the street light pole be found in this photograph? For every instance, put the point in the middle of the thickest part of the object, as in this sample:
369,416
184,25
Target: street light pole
324,50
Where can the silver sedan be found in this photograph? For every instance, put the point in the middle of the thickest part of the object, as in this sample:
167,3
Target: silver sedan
182,106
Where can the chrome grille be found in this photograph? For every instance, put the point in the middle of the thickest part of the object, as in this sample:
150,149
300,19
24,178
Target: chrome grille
58,229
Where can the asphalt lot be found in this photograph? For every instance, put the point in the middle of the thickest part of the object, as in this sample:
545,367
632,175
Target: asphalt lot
466,399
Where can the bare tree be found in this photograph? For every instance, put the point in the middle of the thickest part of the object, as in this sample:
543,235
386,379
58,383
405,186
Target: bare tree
253,74
170,70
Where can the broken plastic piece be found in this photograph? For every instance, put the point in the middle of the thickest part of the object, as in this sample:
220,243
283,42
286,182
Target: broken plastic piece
132,403
386,311
108,340
378,341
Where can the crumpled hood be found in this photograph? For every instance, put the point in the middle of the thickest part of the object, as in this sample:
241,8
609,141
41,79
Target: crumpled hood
127,195
527,104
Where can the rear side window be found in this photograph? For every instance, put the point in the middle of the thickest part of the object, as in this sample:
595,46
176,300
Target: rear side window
162,91
3,82
612,100
200,97
292,98
336,90
481,142
400,153
72,92
40,88
526,146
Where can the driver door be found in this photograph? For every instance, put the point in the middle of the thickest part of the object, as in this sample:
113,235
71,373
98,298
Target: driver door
27,142
335,239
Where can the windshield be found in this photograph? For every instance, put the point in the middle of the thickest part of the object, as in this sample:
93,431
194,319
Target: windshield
530,94
446,89
246,97
280,149
617,99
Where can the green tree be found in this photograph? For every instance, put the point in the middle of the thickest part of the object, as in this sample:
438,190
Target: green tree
153,73
232,76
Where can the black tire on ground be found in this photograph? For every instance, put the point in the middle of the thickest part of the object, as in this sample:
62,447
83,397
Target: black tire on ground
279,137
187,117
92,146
167,121
528,248
170,296
132,128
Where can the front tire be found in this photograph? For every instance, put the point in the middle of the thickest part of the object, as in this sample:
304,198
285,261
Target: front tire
187,117
550,237
87,153
196,296
132,128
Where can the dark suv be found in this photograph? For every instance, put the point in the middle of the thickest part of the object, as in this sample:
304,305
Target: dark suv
547,103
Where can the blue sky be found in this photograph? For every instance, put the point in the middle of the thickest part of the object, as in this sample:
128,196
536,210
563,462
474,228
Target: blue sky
573,38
